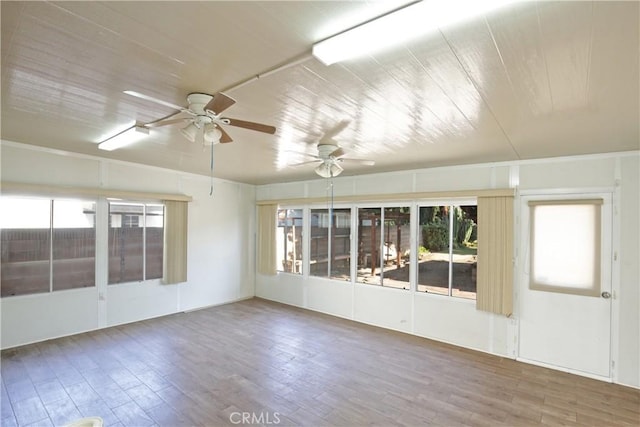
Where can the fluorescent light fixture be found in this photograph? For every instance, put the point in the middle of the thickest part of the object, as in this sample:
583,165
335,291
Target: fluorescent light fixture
400,26
328,170
126,137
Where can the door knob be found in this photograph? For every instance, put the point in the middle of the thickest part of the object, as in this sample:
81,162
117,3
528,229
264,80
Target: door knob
606,295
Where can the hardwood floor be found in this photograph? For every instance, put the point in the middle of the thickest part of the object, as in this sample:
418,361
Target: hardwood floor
259,362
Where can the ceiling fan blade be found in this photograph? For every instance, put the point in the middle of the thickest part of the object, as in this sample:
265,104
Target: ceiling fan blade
359,161
166,122
219,103
250,125
224,137
306,163
337,153
329,134
156,100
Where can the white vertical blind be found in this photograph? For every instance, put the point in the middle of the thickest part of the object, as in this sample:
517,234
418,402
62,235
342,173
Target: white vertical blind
495,255
175,242
266,239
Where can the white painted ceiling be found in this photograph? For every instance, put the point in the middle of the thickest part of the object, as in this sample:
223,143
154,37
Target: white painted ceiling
535,80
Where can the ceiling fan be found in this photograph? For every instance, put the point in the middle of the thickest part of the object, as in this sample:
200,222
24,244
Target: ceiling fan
203,117
329,158
330,155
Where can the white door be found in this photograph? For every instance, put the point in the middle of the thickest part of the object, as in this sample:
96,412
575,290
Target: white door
561,329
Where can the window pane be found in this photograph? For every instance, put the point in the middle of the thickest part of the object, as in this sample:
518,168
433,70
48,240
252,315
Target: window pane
396,245
465,251
319,242
369,230
154,234
330,245
341,245
433,250
126,225
25,237
289,240
74,243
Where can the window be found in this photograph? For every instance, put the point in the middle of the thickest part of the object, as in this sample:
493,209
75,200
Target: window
289,241
154,241
136,241
383,239
74,244
447,250
369,230
47,245
330,240
383,246
565,246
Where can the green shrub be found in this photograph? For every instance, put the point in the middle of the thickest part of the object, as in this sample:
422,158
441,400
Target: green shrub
435,236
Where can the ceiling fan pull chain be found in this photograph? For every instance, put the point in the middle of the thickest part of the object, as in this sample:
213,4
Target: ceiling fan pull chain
331,206
211,172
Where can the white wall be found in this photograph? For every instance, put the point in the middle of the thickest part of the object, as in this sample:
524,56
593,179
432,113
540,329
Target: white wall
446,319
222,262
455,320
220,248
628,340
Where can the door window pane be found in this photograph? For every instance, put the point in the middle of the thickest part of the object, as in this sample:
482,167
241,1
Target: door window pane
74,243
26,242
565,246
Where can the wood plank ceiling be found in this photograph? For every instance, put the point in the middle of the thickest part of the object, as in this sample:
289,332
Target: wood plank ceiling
534,80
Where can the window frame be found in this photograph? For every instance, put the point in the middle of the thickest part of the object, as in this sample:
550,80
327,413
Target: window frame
51,243
330,241
383,206
413,206
450,202
304,264
144,205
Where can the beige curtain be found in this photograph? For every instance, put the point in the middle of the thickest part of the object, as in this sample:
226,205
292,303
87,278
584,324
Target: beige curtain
175,242
495,255
266,240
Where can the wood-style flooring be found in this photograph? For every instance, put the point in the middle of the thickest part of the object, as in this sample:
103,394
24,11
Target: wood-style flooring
259,362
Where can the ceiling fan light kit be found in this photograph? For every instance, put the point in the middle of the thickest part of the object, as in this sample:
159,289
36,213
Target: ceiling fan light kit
190,132
212,134
329,169
124,138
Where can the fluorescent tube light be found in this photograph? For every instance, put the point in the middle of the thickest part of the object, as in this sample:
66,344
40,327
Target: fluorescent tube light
126,137
400,26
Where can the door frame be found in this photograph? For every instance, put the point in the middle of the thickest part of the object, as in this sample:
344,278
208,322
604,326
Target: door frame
611,232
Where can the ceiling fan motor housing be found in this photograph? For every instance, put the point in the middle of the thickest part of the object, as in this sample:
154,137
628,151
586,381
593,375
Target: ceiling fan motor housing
197,102
325,150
